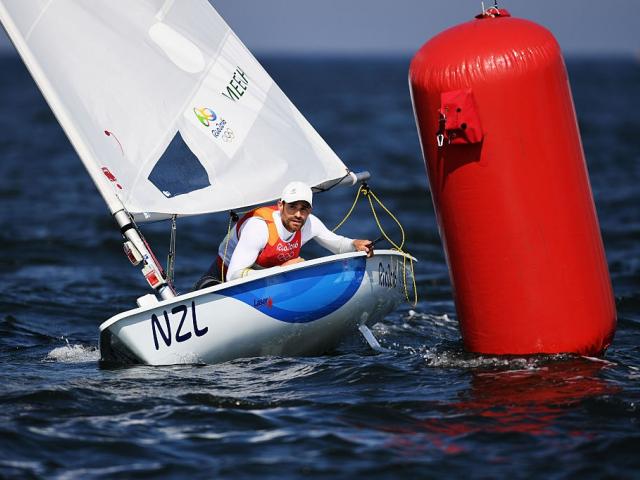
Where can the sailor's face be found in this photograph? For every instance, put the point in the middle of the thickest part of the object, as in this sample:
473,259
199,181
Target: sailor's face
294,214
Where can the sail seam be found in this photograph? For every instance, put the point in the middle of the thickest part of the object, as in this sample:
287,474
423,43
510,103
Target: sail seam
166,6
37,20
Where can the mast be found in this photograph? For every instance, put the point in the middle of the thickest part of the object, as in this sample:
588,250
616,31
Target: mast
138,251
152,270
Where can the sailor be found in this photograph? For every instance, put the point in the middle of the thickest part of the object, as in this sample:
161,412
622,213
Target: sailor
272,236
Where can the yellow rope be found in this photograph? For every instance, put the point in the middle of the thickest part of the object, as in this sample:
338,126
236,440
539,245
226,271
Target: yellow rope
413,278
350,210
368,193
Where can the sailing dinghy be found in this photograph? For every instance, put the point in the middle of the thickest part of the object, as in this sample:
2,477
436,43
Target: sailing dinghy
172,116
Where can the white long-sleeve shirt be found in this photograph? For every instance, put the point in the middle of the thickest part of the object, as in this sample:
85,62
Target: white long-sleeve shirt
242,253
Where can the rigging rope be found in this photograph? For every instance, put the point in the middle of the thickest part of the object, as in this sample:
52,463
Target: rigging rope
369,194
366,191
171,257
350,210
233,218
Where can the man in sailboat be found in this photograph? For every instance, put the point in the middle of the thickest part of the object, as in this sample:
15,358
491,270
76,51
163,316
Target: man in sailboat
272,236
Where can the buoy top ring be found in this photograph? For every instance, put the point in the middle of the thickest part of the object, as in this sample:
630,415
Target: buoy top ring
493,12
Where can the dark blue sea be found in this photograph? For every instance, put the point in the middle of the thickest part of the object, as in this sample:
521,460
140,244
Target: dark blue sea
424,409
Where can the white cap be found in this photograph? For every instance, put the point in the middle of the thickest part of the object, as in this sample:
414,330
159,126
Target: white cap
297,191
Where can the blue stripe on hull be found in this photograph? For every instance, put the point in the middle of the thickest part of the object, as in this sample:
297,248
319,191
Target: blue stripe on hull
305,295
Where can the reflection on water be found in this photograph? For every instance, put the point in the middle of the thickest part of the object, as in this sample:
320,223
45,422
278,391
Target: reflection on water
531,400
536,402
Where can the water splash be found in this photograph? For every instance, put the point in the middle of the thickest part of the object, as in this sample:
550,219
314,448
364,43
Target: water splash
73,354
436,357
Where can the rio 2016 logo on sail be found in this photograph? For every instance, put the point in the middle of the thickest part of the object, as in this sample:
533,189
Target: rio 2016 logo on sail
219,126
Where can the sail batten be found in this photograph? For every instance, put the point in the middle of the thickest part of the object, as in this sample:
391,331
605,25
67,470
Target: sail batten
134,86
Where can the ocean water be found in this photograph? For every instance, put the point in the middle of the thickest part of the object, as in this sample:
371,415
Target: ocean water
423,409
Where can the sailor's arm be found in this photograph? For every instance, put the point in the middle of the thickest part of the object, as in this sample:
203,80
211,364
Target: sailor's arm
336,243
253,238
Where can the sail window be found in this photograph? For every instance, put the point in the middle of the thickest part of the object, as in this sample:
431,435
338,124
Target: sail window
180,50
178,171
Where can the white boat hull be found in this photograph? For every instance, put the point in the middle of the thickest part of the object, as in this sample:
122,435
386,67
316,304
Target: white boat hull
302,309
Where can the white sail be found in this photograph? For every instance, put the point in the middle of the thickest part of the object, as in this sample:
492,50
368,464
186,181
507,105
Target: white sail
168,110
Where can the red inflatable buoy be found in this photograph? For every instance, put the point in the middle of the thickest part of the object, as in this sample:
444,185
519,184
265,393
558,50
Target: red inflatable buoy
511,190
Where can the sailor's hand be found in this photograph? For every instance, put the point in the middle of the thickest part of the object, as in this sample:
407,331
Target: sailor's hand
364,246
292,261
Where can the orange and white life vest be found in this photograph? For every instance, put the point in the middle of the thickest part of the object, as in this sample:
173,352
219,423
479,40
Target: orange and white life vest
276,251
